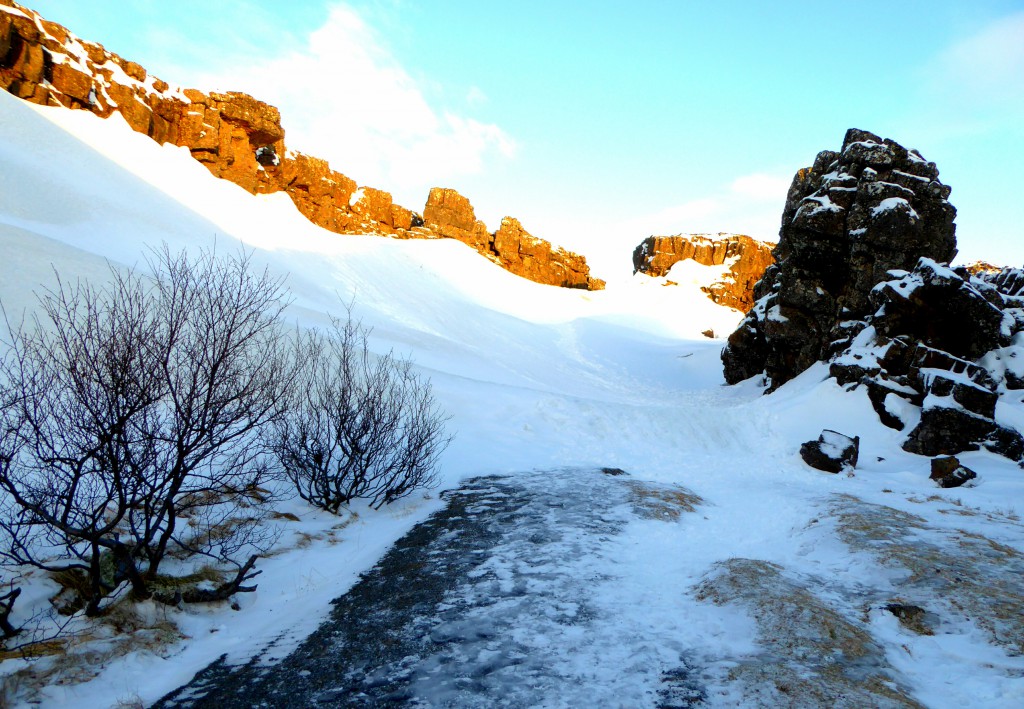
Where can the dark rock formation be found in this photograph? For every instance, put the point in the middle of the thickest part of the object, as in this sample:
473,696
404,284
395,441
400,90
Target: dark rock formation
948,472
833,452
849,219
655,255
859,282
237,138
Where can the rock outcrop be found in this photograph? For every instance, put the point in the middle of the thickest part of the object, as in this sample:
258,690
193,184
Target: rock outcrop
448,214
979,268
747,259
860,283
238,138
848,220
937,353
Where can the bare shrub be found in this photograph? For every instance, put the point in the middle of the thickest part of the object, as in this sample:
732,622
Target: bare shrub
359,426
130,406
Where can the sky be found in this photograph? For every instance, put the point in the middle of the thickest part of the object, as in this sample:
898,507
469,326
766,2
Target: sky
599,123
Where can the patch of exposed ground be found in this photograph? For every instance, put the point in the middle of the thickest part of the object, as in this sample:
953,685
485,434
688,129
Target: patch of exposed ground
812,656
959,575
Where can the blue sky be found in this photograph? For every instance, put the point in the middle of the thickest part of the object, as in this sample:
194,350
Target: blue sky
598,123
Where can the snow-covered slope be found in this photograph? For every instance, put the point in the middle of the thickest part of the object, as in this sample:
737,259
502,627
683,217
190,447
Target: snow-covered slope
536,378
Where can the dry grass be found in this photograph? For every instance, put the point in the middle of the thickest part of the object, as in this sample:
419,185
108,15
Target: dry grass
80,656
812,656
664,502
970,576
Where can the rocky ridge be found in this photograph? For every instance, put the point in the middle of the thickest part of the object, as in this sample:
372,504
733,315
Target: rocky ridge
862,282
240,138
747,259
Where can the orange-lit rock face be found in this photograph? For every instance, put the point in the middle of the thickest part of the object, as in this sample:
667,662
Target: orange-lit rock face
449,214
240,138
749,258
979,268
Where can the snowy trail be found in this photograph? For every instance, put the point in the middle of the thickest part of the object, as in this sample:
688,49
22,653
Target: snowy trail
518,594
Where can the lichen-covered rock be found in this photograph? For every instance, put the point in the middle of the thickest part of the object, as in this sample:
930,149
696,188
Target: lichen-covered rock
833,452
849,219
747,259
241,139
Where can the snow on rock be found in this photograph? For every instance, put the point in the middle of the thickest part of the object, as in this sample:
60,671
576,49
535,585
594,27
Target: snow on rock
833,452
849,219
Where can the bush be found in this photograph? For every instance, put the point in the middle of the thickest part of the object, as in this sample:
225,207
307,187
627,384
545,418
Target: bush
129,407
359,426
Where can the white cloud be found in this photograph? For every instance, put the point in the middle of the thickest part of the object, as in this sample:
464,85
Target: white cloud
992,60
750,204
346,98
475,96
986,67
762,187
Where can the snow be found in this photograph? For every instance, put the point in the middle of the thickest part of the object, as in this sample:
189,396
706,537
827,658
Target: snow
894,204
834,444
537,379
12,11
816,204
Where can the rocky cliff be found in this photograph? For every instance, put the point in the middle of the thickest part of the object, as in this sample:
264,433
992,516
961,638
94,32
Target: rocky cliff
747,259
849,219
240,138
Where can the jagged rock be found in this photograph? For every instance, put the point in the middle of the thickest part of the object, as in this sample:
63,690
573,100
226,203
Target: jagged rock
945,430
935,304
948,472
746,349
880,389
849,219
978,268
655,255
450,215
241,139
1006,442
833,452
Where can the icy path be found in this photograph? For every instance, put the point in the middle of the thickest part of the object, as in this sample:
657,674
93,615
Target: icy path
522,592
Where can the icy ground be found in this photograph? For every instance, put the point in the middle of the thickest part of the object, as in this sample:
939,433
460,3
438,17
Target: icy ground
524,591
771,592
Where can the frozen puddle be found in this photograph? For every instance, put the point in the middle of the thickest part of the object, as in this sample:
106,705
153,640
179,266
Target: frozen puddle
522,592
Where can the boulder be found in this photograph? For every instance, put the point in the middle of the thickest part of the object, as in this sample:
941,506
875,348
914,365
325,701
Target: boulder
747,259
948,472
833,452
